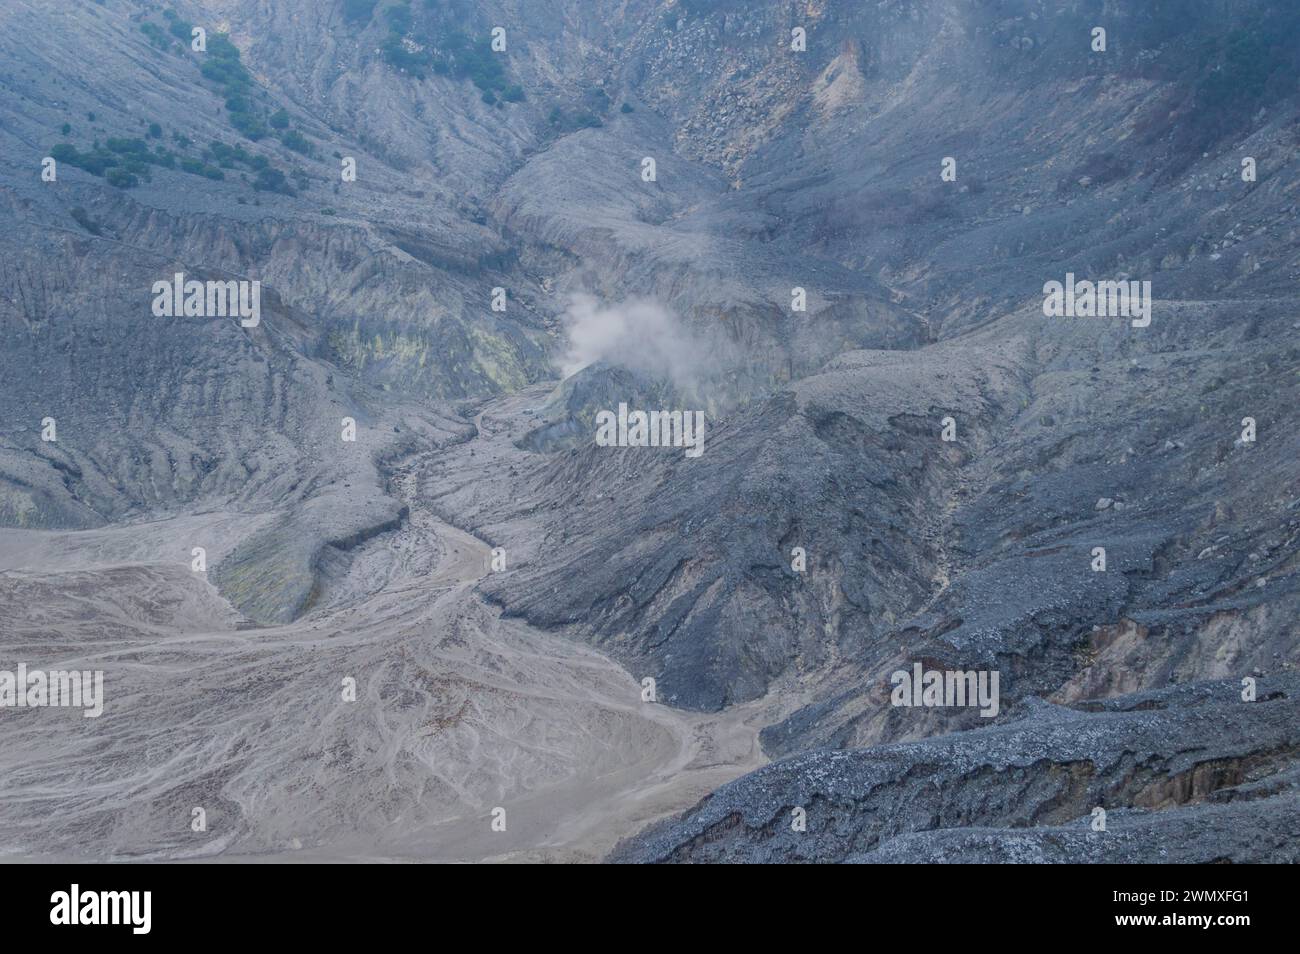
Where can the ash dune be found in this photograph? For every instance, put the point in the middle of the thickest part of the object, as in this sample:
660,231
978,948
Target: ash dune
457,712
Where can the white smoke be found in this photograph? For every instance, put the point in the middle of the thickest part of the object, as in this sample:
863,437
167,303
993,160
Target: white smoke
640,335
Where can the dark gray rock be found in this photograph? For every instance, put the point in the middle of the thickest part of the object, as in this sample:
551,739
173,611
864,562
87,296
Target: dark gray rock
1187,774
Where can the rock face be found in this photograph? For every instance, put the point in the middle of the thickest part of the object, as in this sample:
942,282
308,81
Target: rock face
1191,774
837,253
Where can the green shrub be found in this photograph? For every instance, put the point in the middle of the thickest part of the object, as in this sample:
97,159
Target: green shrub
452,54
396,54
64,152
130,154
248,124
272,180
475,61
127,147
231,76
571,122
121,178
157,38
196,167
297,142
181,29
82,218
220,47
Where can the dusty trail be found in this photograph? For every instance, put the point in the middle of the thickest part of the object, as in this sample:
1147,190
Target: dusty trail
457,711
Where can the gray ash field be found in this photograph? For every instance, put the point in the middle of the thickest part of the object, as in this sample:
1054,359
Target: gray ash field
363,579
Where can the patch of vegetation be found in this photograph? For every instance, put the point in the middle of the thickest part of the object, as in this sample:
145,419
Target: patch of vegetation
181,29
82,218
441,46
222,66
122,162
272,180
397,54
297,142
249,125
1219,74
132,148
475,61
228,157
157,37
1214,65
1241,67
197,167
572,121
121,178
96,162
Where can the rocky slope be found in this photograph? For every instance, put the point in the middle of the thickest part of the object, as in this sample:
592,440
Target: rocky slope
1192,775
